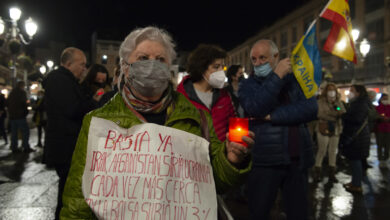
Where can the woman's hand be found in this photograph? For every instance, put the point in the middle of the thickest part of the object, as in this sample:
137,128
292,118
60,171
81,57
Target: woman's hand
98,95
236,152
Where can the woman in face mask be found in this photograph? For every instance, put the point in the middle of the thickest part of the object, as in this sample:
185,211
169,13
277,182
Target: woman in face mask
95,79
329,127
143,148
204,86
382,130
355,138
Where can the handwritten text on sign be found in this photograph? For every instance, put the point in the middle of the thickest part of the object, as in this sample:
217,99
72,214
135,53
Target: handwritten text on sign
147,172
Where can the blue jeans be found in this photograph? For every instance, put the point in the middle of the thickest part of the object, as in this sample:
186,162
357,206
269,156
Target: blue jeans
264,184
357,172
16,125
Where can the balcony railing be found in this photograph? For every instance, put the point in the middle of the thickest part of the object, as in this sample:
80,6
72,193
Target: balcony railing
371,74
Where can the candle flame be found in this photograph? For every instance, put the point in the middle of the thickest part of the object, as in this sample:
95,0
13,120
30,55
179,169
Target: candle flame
239,129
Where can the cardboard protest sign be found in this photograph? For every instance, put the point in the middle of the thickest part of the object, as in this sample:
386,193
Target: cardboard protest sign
147,172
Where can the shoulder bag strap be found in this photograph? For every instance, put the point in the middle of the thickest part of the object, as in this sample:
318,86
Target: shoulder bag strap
361,128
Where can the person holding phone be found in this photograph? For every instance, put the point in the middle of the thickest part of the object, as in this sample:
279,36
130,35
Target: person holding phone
328,130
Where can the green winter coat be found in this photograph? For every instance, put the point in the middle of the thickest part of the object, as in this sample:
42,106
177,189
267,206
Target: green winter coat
184,117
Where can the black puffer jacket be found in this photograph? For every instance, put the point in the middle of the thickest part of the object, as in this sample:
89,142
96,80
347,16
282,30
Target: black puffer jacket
66,104
262,96
353,119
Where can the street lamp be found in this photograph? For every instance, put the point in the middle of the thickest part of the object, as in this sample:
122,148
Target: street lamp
42,69
13,35
50,64
364,45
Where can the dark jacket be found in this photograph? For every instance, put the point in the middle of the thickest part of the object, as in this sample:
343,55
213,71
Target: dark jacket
66,106
284,100
39,116
17,104
353,119
107,96
3,102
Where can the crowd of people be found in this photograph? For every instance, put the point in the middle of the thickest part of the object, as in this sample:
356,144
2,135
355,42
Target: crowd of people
275,158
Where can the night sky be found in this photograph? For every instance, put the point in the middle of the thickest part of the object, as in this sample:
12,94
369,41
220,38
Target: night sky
190,22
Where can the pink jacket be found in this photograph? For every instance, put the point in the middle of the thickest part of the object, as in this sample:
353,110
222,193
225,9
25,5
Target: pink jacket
383,127
221,110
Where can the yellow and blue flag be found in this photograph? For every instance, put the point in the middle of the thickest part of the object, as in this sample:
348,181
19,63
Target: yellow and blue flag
306,62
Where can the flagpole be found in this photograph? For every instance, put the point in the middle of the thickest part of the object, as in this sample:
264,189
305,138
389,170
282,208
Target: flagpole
311,25
326,6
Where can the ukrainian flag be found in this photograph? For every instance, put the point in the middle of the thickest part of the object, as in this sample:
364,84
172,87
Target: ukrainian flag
306,62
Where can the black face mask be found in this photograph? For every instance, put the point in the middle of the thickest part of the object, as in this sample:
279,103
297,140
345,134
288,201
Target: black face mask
240,78
99,85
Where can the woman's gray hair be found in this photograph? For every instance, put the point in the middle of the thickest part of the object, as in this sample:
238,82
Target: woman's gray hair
147,33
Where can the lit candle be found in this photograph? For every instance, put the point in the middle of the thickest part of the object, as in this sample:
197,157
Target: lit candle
238,127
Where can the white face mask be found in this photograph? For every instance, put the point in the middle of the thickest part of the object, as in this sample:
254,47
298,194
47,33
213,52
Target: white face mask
217,79
331,94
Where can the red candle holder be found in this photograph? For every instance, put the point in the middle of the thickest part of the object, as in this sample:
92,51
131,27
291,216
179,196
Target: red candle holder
238,127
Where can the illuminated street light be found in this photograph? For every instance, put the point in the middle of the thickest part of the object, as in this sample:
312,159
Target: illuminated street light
15,13
42,69
50,64
355,34
2,26
31,27
14,37
364,47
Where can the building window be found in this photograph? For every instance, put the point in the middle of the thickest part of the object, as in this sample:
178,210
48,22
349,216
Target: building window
283,39
274,39
352,8
375,31
294,35
307,22
283,54
374,58
325,25
372,5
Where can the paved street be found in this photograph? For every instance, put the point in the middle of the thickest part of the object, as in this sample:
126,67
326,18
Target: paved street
332,202
28,191
27,188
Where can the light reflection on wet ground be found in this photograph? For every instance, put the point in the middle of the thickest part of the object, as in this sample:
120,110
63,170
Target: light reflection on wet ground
27,188
28,191
329,201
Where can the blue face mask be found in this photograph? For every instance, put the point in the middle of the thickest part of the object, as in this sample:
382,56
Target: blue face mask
263,70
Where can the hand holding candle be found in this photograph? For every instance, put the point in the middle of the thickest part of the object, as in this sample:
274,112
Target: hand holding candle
238,127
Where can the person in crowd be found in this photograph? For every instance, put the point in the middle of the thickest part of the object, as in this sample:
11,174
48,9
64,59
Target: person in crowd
3,116
373,117
382,130
17,110
39,116
65,104
355,138
283,149
235,74
147,96
329,128
204,86
372,114
114,86
95,79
